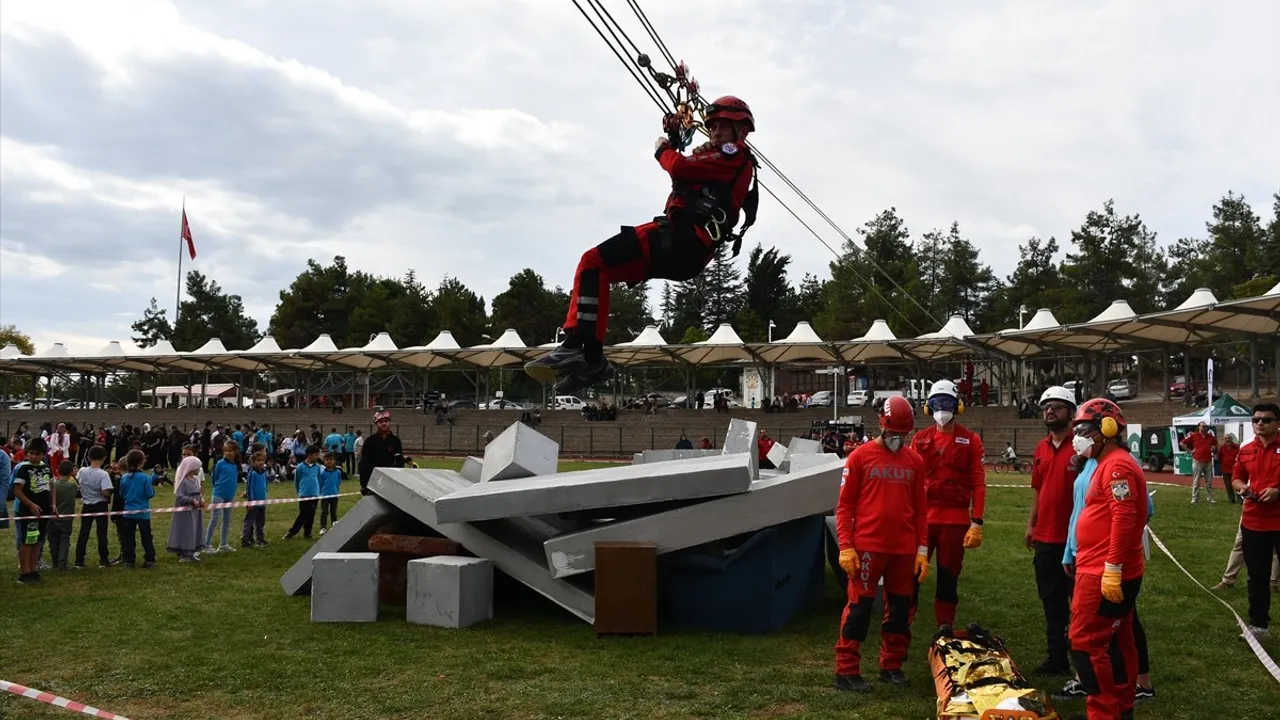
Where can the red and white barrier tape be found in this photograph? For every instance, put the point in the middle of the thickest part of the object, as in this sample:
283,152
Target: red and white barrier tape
185,508
1254,645
57,701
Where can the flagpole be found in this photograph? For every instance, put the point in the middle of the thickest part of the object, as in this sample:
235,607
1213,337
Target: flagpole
177,303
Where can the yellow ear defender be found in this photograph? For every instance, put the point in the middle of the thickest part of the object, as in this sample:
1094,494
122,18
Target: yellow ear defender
1109,427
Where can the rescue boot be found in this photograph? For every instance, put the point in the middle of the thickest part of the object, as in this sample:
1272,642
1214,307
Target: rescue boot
852,683
597,371
568,359
894,677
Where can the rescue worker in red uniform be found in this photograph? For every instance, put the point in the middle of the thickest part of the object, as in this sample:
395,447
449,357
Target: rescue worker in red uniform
956,485
1053,475
1109,563
710,188
1256,477
881,526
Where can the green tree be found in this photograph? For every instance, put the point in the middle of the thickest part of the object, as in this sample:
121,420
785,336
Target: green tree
683,307
1115,258
1035,283
152,328
460,310
881,280
723,285
317,301
401,308
629,312
15,385
209,313
955,280
529,307
807,302
768,294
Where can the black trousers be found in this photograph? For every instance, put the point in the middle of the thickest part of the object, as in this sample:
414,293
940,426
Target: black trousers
82,542
328,512
1258,546
128,540
1054,586
1140,639
306,518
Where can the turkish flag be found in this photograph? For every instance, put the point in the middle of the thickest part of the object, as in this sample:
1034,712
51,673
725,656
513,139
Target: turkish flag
186,235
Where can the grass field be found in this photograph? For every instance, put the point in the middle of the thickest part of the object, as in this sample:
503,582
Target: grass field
220,640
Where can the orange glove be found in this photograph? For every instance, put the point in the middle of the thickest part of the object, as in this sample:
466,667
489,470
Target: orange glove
1111,578
922,564
973,538
849,561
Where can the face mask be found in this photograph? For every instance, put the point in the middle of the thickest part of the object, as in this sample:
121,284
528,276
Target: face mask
942,417
894,442
1082,445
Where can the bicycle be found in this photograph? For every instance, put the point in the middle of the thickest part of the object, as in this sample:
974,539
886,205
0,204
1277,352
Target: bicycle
1003,465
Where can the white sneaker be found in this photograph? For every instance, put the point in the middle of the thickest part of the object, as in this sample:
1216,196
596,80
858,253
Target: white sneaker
210,550
226,548
1259,633
321,531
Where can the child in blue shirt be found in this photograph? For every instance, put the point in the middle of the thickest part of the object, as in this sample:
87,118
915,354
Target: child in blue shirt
306,478
226,476
330,482
137,489
255,517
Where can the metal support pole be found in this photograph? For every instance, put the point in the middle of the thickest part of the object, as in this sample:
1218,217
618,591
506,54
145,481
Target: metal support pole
1164,369
1253,368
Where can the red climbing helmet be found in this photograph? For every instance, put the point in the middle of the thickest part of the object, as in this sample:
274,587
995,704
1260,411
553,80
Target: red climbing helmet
1103,414
896,414
730,108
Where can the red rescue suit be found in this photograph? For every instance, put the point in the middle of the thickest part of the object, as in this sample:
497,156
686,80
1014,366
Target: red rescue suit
675,246
1109,531
881,514
956,486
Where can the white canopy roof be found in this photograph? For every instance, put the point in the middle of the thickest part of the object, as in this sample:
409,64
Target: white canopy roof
647,348
724,346
802,345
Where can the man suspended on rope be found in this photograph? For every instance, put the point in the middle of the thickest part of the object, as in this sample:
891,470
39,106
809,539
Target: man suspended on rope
710,188
956,485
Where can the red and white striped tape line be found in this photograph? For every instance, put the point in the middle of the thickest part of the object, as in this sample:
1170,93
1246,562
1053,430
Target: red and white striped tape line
1149,484
1254,645
185,508
57,701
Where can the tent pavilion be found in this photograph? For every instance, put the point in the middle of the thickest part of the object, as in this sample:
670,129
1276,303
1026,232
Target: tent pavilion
1200,321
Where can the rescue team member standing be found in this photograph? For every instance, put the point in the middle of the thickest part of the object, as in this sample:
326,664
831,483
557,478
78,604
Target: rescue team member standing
956,486
709,189
1109,563
1201,444
882,528
382,449
1256,477
1228,451
1052,477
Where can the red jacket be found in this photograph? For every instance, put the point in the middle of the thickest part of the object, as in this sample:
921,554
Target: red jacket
727,174
955,480
1227,455
1109,529
1201,446
882,502
1259,467
1053,479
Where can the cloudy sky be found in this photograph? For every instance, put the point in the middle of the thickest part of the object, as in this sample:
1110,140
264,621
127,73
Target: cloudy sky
477,138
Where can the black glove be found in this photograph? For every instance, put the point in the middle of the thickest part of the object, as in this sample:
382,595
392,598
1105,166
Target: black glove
671,123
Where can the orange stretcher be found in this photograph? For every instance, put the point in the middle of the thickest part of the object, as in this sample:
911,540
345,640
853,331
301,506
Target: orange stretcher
977,680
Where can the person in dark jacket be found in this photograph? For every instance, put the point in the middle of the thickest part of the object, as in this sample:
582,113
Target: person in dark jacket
382,449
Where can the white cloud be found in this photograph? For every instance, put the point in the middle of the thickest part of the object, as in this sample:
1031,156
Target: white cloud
477,139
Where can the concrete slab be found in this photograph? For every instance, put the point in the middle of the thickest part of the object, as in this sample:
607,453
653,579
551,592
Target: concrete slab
800,446
771,501
617,486
519,452
637,458
350,534
652,456
344,587
514,546
472,468
451,592
741,438
777,454
808,462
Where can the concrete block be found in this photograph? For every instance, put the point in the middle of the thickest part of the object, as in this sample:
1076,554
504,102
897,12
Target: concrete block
616,486
800,446
472,468
344,587
777,454
651,456
452,592
637,458
741,438
519,452
514,545
350,534
801,463
771,501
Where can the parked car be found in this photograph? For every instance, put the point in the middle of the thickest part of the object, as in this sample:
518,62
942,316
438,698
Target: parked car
1180,386
822,398
857,398
1123,389
568,402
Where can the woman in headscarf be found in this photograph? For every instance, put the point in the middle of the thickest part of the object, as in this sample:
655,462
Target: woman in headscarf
184,531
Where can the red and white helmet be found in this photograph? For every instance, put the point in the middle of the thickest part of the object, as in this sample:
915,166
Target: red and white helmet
896,414
730,108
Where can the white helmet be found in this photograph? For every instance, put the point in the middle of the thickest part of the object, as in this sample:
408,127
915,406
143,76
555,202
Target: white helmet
944,387
1057,392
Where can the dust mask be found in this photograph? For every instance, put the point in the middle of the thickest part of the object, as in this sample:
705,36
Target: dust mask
942,417
893,442
1082,445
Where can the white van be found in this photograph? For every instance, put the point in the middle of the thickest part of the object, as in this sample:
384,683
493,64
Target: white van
568,402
